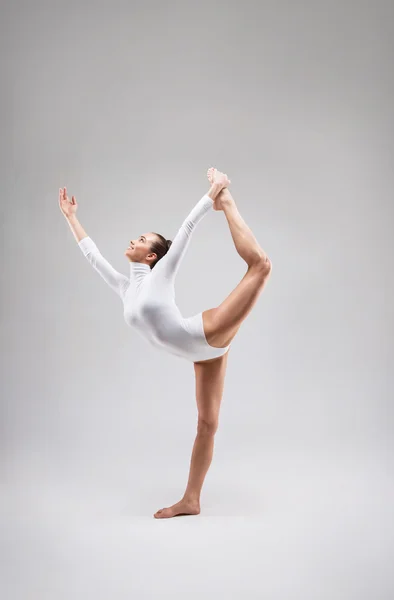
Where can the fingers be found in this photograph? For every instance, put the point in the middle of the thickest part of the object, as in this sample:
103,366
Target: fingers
62,193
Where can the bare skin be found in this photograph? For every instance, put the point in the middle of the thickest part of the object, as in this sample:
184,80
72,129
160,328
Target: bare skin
220,325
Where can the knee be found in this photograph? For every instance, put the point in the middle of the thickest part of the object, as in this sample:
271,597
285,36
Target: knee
268,265
264,265
207,426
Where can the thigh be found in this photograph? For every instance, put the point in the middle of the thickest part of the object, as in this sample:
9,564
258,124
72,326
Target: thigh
222,323
210,377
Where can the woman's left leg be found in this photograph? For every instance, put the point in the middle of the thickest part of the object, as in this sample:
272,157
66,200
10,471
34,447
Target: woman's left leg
209,392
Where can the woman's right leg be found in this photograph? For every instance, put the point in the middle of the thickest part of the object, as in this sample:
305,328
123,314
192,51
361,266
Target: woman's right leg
222,323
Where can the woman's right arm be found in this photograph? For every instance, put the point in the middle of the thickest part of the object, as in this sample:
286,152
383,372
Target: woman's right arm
69,209
76,228
117,281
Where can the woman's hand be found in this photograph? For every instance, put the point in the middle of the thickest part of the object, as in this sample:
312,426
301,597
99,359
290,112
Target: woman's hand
68,208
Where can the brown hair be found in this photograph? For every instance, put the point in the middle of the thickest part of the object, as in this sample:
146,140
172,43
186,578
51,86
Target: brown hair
160,247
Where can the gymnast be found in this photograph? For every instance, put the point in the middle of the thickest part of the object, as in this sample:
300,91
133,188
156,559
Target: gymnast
149,308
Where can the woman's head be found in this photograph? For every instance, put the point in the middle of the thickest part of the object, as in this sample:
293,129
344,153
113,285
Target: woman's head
149,248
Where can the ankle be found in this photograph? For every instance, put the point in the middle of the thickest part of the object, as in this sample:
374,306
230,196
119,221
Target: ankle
191,497
227,201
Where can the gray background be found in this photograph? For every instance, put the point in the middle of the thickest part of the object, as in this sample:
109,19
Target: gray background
127,104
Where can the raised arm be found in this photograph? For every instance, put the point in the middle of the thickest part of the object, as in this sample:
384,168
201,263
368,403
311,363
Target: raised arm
170,262
117,281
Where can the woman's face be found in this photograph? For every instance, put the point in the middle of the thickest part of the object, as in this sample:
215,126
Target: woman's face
139,249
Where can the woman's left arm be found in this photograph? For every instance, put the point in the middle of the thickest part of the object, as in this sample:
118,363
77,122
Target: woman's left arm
170,262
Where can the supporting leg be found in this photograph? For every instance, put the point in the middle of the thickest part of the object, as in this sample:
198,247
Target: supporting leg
209,393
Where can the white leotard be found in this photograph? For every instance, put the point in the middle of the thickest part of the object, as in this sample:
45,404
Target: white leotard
148,295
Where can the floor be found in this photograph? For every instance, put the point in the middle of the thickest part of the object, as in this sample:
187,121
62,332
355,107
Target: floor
319,535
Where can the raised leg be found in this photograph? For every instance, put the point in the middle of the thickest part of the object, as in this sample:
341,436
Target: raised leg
209,392
222,323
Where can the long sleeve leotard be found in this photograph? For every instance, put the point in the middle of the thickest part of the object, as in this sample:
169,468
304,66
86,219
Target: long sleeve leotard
148,295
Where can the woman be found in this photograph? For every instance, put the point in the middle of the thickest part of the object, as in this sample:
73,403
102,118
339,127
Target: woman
148,297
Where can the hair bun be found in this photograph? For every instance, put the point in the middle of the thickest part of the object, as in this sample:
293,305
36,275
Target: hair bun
169,242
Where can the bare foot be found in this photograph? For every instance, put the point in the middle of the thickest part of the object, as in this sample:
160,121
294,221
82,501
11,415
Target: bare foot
215,176
224,196
183,507
210,174
223,199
